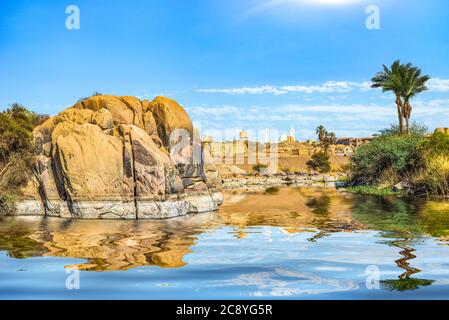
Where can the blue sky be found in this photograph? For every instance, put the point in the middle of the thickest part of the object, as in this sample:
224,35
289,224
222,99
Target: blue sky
240,64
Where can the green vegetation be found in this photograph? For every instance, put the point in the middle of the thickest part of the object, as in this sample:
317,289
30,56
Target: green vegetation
387,159
16,150
434,177
418,162
321,133
405,284
374,191
326,138
320,162
20,246
405,81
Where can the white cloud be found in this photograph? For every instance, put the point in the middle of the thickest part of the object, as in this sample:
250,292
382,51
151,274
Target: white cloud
344,119
331,86
246,90
326,87
438,85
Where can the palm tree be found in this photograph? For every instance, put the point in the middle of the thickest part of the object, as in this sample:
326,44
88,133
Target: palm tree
321,132
329,139
390,79
413,82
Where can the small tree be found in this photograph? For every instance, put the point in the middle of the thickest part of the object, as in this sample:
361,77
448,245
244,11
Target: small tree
405,81
329,140
321,133
16,150
320,162
325,137
389,79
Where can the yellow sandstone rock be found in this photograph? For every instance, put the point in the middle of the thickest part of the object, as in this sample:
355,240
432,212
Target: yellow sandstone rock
106,158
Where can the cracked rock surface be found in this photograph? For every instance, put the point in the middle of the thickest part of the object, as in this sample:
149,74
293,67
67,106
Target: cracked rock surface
108,157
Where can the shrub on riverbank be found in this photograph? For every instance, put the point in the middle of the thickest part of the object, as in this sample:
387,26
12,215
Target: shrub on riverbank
16,151
418,161
320,162
434,177
386,159
374,191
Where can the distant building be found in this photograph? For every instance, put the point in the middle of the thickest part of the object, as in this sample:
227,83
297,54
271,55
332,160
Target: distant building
353,142
266,135
244,135
207,139
283,137
290,138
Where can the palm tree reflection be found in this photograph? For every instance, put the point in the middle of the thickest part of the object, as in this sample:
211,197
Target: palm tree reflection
405,282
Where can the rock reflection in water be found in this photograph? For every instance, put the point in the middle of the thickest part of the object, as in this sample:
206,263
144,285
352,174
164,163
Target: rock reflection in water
107,245
121,245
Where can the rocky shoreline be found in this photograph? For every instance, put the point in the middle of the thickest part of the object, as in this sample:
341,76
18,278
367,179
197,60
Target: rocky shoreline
110,157
256,183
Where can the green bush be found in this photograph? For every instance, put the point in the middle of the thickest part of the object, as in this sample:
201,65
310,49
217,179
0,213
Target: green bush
421,162
7,204
16,151
320,162
434,178
374,191
437,144
389,157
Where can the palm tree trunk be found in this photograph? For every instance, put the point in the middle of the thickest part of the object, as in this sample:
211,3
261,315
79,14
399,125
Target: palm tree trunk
407,113
400,113
408,125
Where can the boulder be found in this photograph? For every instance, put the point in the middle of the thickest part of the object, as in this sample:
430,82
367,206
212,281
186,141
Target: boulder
92,170
155,174
107,157
135,105
149,123
79,116
121,113
169,116
401,186
103,119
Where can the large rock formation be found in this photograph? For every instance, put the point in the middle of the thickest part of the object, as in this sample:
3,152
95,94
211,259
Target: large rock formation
109,157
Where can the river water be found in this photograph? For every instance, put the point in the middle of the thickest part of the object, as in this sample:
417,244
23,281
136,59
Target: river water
290,243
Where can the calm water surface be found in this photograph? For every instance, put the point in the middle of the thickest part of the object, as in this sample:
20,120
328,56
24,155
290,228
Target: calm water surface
294,243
